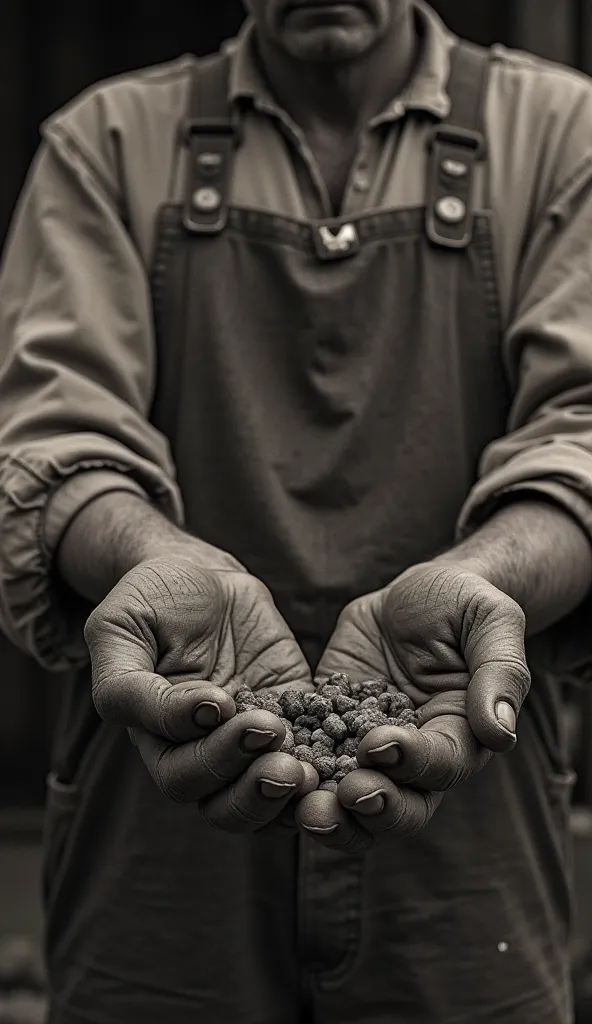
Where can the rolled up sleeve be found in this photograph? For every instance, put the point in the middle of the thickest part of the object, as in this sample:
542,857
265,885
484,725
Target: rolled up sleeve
77,367
548,353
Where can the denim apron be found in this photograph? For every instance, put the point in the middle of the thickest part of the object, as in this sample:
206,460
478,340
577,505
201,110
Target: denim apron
327,389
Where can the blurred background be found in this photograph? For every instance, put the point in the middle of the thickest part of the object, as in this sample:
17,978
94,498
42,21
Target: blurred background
49,52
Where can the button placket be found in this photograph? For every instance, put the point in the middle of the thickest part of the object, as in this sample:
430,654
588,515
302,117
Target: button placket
360,179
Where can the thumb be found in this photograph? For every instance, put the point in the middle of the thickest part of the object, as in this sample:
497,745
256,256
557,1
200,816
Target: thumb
127,691
499,679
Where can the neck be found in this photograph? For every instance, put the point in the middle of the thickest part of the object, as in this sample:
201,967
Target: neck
342,97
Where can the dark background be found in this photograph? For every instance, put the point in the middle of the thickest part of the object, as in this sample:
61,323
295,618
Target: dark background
48,53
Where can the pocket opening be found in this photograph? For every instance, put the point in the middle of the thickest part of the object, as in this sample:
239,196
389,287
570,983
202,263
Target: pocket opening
61,796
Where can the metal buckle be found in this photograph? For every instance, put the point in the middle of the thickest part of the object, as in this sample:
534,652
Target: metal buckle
335,241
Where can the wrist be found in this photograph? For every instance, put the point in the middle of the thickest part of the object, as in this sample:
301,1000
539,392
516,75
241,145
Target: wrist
116,532
478,565
192,549
533,551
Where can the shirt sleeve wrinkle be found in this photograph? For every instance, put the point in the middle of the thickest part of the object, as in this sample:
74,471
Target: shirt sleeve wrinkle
548,355
77,366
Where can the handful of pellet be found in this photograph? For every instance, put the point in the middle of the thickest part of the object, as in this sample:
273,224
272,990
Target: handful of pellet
325,727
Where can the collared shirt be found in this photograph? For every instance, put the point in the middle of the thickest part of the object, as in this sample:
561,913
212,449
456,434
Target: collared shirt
77,363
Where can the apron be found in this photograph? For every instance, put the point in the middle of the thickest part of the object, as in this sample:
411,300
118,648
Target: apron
327,390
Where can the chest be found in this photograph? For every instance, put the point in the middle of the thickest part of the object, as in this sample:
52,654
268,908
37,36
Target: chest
334,157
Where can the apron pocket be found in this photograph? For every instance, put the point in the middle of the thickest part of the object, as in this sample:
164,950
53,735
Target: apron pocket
62,799
60,805
560,786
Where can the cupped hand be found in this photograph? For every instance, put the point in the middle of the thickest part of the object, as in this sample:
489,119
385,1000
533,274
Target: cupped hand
169,646
455,645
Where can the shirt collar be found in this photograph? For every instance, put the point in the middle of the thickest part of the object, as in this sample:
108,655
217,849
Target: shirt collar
426,90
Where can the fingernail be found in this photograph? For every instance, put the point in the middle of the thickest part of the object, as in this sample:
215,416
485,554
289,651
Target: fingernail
317,830
257,739
207,715
371,804
390,754
506,716
275,790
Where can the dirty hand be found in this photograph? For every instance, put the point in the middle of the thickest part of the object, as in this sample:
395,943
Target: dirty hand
455,645
169,646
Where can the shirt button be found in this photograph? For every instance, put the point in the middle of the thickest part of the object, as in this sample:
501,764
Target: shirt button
361,182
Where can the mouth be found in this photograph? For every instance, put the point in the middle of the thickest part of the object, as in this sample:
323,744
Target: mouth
322,6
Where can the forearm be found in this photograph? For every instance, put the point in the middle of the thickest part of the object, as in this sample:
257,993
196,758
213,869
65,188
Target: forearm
113,534
536,553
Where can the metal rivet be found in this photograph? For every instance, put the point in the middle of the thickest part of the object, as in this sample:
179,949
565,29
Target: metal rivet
451,210
209,162
207,199
455,168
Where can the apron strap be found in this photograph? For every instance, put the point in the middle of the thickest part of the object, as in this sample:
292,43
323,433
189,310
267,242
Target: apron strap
211,133
454,149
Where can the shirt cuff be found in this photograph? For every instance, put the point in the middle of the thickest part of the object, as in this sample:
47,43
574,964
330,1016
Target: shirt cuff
40,493
77,492
557,462
573,502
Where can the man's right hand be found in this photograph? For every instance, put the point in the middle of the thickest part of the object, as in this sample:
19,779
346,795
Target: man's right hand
169,646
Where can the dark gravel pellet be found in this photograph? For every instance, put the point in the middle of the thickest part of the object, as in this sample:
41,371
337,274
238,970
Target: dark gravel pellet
325,727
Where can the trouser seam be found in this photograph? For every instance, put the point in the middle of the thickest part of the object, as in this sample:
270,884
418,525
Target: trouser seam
325,979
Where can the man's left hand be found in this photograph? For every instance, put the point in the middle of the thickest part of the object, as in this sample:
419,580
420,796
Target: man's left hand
454,644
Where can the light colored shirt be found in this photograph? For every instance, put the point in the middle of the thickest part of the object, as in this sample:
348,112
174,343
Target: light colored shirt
77,347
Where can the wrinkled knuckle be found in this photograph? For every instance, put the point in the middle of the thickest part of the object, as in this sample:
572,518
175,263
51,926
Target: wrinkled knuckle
389,602
401,817
156,583
93,627
448,753
516,672
451,702
166,780
520,678
511,610
98,695
234,813
431,802
349,612
414,823
259,588
211,819
251,597
105,695
453,776
166,711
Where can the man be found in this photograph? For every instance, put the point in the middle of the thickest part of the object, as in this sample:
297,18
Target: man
297,378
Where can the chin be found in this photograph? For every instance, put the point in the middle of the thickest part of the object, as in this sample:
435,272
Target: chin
329,45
